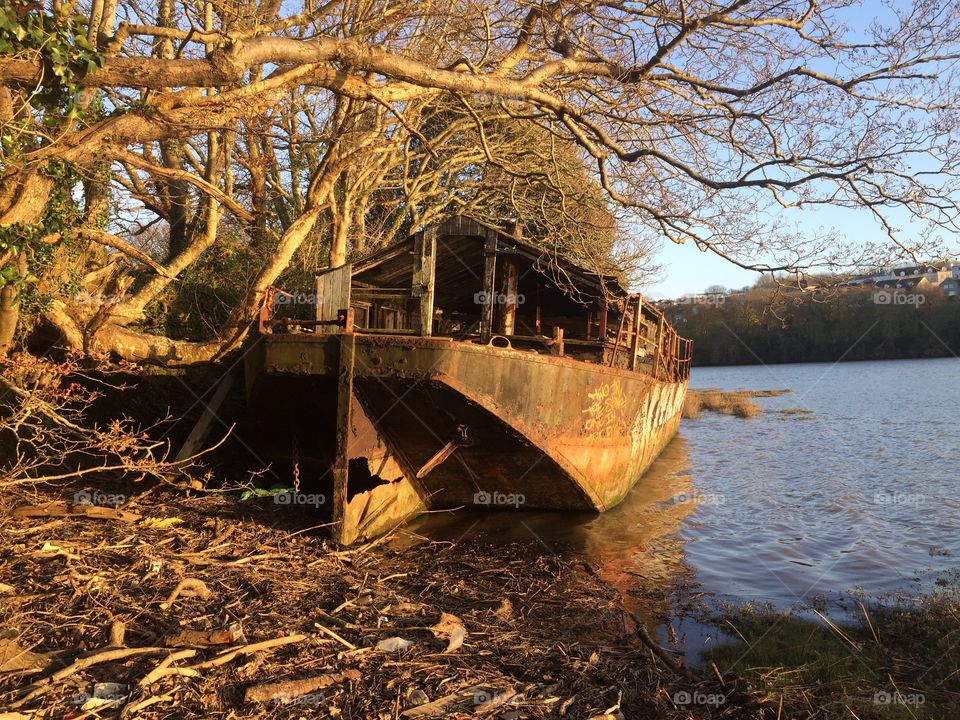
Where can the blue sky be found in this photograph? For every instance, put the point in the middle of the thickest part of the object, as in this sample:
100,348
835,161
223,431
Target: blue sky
688,270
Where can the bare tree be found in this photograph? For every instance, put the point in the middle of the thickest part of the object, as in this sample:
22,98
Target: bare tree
698,117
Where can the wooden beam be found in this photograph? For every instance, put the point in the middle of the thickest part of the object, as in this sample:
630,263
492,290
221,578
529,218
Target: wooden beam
556,347
424,272
333,295
489,286
194,442
508,295
537,326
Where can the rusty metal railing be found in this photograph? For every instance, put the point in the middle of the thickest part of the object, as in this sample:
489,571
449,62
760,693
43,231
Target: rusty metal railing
650,340
268,322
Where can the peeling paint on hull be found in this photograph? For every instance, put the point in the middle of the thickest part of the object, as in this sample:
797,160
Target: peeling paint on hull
436,423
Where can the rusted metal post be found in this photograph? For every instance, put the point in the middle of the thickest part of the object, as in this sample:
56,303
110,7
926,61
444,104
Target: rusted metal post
489,286
266,311
637,333
424,270
508,295
658,348
341,463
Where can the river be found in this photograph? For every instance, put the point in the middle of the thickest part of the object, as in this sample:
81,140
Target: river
790,509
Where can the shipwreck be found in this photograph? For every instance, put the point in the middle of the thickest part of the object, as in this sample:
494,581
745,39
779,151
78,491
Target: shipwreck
461,368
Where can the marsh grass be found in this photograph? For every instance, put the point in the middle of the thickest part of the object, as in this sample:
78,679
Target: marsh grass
894,663
738,403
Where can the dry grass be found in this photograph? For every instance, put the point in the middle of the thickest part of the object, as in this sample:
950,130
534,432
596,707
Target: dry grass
745,409
738,403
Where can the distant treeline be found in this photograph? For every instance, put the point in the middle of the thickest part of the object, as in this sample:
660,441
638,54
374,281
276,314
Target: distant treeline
760,326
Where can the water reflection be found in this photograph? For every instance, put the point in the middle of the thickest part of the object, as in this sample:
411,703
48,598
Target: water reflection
636,545
787,509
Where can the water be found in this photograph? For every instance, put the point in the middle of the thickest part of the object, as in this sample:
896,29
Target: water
794,510
864,495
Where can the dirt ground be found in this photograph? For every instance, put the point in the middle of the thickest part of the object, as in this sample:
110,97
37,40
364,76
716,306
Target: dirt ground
207,607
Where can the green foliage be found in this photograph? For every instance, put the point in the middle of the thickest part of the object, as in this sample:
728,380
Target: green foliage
66,54
198,306
62,213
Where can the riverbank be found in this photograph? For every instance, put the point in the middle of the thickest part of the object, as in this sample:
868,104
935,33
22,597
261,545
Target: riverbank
897,658
206,607
767,326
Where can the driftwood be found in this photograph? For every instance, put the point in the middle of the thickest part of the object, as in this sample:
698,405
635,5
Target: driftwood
62,509
163,669
187,587
288,689
203,638
662,655
105,656
229,655
458,701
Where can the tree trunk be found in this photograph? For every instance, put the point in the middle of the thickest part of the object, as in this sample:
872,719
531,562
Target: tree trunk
9,314
10,306
178,197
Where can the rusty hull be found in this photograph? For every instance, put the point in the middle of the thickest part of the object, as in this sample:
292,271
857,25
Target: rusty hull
438,423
